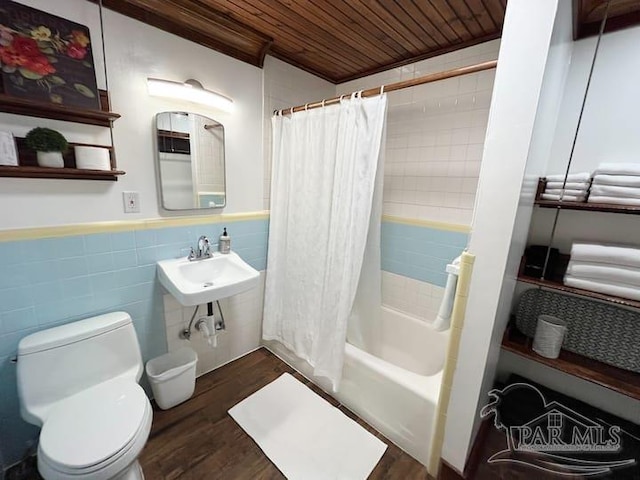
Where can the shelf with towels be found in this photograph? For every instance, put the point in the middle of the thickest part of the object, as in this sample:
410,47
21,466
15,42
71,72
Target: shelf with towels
589,207
557,285
584,206
617,379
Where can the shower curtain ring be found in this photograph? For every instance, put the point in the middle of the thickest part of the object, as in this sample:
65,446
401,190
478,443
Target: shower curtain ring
324,100
291,112
381,89
306,107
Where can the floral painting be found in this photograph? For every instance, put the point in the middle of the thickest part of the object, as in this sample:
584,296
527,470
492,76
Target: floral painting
47,58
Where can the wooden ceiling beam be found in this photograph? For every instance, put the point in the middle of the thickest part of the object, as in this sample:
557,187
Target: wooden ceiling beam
588,14
169,24
614,24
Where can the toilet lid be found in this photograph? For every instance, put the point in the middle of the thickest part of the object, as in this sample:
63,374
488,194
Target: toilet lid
94,425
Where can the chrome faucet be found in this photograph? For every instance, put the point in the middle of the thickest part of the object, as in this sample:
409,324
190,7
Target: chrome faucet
203,250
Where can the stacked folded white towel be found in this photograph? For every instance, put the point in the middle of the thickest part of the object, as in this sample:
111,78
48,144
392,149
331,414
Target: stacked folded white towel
617,183
610,269
573,188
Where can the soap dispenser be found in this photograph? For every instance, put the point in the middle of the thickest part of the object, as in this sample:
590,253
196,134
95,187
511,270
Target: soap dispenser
224,243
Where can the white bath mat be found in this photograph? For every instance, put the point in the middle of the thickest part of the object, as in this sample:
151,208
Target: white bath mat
304,436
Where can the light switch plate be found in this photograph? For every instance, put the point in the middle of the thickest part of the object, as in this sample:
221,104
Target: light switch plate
131,202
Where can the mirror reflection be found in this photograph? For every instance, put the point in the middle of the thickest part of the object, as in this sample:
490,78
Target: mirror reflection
190,161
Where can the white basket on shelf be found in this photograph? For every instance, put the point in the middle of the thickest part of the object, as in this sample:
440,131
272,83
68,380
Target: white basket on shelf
550,332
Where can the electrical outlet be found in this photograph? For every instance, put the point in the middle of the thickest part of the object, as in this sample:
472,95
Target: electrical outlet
131,202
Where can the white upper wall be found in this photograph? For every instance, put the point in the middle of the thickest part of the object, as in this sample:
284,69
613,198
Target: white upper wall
609,129
136,51
286,86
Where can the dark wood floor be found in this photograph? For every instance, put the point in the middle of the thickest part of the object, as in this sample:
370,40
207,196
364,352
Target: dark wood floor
199,440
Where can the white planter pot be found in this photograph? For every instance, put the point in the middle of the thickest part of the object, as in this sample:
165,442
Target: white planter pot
92,158
50,159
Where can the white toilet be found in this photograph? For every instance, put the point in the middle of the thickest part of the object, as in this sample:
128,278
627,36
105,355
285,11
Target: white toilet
80,383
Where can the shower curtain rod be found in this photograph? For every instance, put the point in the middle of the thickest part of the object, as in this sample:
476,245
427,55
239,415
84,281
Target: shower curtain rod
392,87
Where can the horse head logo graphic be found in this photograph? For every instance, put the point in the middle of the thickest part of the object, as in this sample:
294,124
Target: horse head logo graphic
506,405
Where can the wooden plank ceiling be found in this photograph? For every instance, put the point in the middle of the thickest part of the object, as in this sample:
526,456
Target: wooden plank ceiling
337,40
340,40
588,15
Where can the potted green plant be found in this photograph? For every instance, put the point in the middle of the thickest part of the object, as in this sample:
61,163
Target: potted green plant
49,146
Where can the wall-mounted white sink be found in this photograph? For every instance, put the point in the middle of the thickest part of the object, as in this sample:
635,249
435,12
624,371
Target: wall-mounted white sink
208,280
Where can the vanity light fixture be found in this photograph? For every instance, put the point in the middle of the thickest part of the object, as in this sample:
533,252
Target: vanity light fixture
191,90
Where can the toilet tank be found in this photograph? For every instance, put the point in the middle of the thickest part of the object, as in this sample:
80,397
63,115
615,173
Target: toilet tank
56,363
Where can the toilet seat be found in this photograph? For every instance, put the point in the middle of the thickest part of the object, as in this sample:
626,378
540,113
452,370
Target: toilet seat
96,433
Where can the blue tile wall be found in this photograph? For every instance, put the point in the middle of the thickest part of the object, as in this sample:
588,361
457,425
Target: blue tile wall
418,252
51,281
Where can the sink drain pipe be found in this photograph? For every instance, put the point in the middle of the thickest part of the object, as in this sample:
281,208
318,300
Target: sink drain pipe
219,325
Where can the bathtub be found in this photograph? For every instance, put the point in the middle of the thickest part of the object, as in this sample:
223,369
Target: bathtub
393,383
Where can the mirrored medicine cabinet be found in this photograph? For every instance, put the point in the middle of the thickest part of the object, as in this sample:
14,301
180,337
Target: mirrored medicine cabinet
190,161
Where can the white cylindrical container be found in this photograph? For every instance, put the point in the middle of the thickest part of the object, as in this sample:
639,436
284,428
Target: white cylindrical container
92,158
550,332
50,159
173,377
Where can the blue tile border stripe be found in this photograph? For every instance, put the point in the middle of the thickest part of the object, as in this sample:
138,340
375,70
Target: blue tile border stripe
90,228
419,252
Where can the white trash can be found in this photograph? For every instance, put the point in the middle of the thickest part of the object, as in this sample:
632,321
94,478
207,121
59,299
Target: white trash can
173,377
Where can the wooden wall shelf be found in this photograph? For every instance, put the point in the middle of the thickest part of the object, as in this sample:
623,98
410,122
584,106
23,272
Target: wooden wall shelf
68,173
584,206
589,207
29,168
556,285
31,108
622,381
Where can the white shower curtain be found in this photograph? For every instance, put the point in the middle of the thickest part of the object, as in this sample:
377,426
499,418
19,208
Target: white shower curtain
324,170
